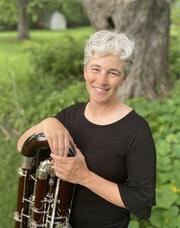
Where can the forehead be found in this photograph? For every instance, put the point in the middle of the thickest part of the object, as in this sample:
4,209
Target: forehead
106,61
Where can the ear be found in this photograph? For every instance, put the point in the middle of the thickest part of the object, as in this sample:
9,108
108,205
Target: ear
123,80
85,72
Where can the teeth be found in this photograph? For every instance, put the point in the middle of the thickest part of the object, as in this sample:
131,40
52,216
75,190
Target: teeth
100,89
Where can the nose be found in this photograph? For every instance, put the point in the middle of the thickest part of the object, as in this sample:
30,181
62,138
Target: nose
102,78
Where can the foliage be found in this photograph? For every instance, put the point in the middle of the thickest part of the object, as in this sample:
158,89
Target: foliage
9,162
8,14
72,9
54,102
175,40
163,117
74,13
61,61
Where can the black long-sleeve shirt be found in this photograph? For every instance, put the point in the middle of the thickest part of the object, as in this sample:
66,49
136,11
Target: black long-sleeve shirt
122,152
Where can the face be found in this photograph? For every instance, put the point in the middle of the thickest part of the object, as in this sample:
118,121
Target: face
104,75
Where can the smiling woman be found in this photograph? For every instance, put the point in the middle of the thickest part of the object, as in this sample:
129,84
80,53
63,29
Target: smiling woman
103,76
115,164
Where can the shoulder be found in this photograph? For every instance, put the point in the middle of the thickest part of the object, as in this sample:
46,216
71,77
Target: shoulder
138,120
70,111
77,107
138,125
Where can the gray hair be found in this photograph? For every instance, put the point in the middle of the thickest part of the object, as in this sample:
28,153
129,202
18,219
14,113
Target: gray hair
106,42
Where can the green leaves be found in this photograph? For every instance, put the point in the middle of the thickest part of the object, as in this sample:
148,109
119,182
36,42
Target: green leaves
165,218
166,197
134,224
164,120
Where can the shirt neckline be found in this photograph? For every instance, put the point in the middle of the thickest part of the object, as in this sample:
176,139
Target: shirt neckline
106,125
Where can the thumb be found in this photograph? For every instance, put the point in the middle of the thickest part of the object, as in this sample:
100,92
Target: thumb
78,153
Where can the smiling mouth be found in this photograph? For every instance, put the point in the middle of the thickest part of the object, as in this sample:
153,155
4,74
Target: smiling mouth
99,89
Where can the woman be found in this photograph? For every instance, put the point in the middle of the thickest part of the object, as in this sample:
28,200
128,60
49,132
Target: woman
114,168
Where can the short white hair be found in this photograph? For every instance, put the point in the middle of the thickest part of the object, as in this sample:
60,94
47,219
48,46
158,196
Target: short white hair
107,42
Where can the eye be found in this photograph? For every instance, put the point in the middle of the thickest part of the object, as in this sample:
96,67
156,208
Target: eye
114,73
95,70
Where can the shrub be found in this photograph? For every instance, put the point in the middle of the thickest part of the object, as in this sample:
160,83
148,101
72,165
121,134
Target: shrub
54,102
163,117
57,63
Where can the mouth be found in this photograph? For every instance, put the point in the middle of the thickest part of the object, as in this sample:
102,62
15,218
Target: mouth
100,89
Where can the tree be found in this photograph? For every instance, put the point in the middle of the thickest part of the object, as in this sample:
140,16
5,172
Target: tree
25,14
7,14
146,22
23,26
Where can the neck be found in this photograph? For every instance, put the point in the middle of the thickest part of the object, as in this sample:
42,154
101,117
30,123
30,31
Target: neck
99,108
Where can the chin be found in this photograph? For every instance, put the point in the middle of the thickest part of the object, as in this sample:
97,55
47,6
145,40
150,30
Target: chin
101,100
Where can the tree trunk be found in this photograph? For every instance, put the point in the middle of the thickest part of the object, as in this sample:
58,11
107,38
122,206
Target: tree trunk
23,26
147,23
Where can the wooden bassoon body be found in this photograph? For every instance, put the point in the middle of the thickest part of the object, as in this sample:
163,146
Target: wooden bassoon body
43,200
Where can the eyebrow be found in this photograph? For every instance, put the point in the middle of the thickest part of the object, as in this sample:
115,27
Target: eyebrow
95,65
111,69
114,69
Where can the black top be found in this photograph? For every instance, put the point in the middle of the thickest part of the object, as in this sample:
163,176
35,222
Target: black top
122,152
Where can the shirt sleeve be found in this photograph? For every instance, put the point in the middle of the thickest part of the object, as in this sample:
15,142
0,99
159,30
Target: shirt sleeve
62,116
138,191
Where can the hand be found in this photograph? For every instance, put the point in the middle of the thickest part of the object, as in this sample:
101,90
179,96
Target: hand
71,169
57,135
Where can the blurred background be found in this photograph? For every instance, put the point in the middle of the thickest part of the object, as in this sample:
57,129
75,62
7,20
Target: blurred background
41,53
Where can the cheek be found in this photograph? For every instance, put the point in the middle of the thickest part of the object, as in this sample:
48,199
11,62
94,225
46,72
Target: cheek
116,83
89,78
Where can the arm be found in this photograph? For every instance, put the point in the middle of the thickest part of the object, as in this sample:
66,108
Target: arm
76,171
104,188
57,135
35,129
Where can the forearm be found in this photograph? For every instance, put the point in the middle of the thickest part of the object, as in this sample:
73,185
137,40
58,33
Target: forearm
104,188
36,129
57,135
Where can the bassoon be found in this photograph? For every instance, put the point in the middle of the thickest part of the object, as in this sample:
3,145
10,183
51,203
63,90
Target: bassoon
43,200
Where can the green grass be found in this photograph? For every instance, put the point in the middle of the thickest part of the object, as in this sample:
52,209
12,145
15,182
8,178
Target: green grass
8,182
14,54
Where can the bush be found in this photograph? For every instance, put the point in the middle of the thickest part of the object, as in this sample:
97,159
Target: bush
175,40
163,117
60,62
175,53
54,102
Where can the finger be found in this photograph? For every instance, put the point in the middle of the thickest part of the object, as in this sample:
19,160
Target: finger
55,146
61,146
67,145
59,174
50,142
61,170
78,152
59,159
71,141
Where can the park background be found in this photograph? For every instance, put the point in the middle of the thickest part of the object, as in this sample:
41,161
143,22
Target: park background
41,73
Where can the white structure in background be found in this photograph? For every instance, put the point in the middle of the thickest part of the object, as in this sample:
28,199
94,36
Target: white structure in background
52,20
57,21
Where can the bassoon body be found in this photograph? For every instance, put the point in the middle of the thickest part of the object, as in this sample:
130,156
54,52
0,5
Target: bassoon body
43,200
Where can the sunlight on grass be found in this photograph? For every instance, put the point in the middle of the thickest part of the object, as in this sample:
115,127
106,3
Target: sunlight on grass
13,54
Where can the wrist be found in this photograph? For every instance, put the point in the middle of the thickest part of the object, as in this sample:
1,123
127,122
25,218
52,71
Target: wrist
87,177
